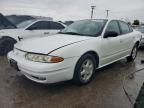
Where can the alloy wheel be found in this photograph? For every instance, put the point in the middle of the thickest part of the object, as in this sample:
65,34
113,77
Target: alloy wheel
87,69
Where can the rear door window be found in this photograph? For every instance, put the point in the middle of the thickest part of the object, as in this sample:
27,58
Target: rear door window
55,25
124,27
41,25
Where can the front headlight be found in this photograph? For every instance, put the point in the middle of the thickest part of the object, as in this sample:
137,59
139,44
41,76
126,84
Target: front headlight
43,58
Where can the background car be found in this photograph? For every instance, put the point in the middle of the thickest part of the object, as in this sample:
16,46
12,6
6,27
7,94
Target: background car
27,29
141,29
76,52
5,23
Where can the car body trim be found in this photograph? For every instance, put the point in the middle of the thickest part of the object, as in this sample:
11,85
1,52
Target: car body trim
65,46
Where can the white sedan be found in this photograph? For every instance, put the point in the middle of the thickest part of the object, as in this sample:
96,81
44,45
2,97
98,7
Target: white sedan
25,30
76,52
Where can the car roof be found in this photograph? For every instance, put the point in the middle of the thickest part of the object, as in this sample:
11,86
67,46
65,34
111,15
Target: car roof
36,20
105,19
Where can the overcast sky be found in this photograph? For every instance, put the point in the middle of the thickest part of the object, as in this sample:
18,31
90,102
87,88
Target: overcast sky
74,9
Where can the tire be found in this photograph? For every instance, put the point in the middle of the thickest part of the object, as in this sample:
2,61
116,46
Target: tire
6,45
84,69
133,54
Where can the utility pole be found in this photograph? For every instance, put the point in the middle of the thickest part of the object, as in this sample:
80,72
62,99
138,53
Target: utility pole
107,12
92,11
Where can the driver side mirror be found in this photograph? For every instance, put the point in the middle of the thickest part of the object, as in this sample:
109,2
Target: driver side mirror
110,34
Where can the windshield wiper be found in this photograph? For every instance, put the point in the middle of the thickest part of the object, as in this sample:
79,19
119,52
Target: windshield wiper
74,33
71,33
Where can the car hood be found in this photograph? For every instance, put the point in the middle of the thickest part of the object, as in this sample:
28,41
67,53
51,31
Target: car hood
45,45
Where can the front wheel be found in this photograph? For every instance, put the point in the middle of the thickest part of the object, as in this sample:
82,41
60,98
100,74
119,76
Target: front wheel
84,69
133,54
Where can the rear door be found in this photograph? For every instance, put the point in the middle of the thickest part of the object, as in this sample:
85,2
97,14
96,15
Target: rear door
126,38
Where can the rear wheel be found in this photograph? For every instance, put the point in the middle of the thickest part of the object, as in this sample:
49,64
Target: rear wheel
84,69
133,54
6,45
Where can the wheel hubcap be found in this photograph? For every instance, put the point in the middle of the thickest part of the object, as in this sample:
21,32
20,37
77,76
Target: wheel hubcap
87,70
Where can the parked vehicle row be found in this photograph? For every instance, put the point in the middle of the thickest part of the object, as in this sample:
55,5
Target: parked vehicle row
76,52
25,30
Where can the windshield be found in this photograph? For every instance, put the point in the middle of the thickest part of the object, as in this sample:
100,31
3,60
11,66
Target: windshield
141,29
85,28
25,24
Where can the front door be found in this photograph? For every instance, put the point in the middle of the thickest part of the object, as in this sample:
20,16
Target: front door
110,47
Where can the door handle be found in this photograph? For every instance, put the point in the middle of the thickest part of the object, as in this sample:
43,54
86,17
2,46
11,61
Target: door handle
46,33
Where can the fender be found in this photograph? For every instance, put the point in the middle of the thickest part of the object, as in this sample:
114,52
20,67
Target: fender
65,46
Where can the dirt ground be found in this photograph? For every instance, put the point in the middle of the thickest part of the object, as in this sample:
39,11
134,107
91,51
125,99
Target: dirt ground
105,91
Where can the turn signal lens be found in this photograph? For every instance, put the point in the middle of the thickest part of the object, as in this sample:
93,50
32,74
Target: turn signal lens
55,59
